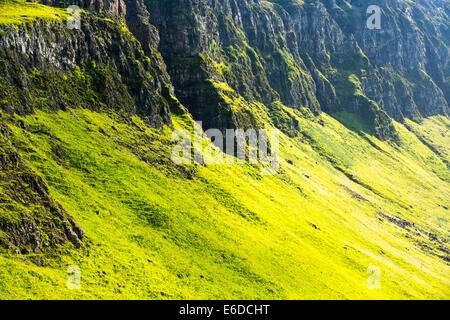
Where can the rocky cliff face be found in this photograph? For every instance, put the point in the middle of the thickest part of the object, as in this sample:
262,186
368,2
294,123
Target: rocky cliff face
100,66
317,55
46,66
314,54
404,56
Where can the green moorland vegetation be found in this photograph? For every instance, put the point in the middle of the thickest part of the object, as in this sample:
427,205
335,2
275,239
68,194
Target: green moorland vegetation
20,11
226,231
343,201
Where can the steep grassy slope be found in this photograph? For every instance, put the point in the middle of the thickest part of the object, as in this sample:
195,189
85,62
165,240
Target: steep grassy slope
155,230
87,180
19,11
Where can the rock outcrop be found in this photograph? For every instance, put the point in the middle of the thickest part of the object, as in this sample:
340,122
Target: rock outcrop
317,55
44,65
34,220
100,66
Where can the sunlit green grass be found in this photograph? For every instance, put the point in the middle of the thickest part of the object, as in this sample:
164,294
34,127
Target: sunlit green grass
231,233
20,11
228,232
